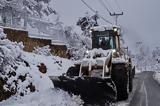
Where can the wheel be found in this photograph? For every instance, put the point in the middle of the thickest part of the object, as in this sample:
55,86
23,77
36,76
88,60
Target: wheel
120,77
131,75
130,85
73,71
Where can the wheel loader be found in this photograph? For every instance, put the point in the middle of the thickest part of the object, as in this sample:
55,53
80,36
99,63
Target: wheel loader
105,73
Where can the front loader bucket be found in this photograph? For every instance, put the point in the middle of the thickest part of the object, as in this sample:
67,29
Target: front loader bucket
92,90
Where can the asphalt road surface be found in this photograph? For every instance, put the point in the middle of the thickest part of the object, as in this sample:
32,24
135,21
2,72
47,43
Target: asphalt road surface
147,92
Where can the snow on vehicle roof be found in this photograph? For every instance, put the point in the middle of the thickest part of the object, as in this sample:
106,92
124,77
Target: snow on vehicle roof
104,27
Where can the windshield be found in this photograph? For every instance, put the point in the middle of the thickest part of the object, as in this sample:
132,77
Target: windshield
103,40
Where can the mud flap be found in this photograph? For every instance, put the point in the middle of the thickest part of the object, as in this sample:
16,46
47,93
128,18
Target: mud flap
91,89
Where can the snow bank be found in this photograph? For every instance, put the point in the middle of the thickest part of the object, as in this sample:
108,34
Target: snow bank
45,50
18,76
138,71
27,84
156,76
50,97
55,65
2,34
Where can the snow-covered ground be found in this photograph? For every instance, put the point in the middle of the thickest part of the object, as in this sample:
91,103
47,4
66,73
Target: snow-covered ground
46,94
48,97
55,65
156,76
20,69
138,71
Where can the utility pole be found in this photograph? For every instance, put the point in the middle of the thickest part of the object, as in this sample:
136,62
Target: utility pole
116,16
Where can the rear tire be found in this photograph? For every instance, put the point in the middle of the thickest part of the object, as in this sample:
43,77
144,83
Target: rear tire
120,78
133,71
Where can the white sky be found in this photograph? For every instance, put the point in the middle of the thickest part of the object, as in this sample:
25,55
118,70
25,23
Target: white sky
141,18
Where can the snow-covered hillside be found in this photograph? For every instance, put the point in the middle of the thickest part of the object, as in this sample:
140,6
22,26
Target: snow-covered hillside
26,77
147,59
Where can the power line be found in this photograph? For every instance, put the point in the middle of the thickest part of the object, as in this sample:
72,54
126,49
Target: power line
106,1
116,15
89,6
118,5
102,3
95,12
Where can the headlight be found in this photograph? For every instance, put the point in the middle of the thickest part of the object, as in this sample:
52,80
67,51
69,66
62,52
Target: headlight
115,29
114,50
90,31
114,53
87,52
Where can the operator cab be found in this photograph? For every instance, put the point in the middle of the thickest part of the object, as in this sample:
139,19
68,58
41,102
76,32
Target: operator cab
105,37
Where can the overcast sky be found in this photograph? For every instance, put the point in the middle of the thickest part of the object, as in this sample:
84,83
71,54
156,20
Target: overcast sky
141,19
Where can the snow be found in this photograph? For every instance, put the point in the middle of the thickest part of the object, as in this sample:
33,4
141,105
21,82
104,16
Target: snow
44,85
16,28
104,54
95,52
45,50
2,35
138,71
96,57
50,97
156,76
104,27
55,65
58,42
12,59
118,60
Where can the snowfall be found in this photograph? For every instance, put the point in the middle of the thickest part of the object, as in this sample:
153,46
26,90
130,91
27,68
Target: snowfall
45,93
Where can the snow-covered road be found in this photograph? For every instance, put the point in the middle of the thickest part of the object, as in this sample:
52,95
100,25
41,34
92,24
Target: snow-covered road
147,91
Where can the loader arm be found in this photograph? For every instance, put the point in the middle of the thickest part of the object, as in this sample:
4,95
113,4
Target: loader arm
94,83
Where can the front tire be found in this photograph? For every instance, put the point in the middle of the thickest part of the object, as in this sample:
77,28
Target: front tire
73,71
130,79
120,78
